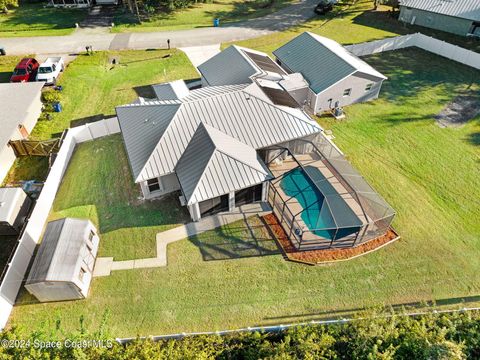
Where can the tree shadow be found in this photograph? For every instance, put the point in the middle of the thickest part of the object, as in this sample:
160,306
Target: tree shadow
249,239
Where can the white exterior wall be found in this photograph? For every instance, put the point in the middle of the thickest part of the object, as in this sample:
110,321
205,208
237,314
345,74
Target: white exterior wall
168,183
7,158
357,82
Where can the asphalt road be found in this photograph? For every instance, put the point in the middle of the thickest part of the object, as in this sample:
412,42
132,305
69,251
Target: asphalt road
278,21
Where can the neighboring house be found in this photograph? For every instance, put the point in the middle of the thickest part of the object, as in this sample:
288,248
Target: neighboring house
20,108
71,3
63,266
336,77
461,17
211,144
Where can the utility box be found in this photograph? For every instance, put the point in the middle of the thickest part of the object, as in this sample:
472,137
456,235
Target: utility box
14,208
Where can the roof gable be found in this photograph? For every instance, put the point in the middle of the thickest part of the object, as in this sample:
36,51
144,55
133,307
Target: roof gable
214,164
171,91
322,61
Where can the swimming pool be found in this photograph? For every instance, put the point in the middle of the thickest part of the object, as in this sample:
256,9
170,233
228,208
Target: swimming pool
324,220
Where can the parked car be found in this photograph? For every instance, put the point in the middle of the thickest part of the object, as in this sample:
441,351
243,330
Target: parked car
324,7
49,71
26,70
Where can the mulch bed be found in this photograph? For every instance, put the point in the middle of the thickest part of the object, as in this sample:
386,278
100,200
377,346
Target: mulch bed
459,111
314,257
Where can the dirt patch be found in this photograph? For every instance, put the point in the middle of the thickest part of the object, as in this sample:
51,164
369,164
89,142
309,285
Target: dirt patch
462,109
316,257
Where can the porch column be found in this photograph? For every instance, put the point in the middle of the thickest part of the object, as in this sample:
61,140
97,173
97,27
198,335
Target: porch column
265,186
231,201
194,211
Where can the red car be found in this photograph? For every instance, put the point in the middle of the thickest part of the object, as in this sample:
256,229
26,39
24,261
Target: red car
26,70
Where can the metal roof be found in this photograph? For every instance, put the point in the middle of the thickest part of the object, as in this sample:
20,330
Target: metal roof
15,100
61,251
465,9
215,163
11,201
237,65
171,91
157,133
322,61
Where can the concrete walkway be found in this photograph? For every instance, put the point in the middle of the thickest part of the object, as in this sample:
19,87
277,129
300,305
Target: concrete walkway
105,265
199,54
278,21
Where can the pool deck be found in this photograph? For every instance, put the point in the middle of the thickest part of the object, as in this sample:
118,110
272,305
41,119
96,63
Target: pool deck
279,168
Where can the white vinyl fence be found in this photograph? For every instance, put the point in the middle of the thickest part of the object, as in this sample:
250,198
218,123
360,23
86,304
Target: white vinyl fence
17,267
427,43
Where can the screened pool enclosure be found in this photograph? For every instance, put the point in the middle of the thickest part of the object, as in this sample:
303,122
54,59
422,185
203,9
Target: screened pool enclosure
320,200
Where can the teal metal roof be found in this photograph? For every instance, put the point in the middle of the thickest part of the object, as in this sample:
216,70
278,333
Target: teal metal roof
321,61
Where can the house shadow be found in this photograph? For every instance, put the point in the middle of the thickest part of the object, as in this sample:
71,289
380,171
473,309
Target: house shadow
89,119
145,91
250,238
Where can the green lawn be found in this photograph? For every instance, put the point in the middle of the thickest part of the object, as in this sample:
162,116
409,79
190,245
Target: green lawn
353,22
34,19
199,15
428,174
107,195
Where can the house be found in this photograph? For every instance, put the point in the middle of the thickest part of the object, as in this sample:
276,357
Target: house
71,3
335,76
14,208
20,106
461,17
239,65
211,144
63,266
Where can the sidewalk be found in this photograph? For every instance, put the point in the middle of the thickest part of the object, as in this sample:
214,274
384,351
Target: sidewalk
105,265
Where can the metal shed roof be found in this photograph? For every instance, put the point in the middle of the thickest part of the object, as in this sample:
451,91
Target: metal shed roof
171,91
15,99
60,254
11,201
322,61
465,9
234,111
215,163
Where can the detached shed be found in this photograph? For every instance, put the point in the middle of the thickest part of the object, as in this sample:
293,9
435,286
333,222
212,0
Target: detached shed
63,266
14,208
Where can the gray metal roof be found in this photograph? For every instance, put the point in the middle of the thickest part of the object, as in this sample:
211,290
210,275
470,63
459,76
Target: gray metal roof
215,163
322,61
15,99
234,111
171,91
465,9
60,254
11,201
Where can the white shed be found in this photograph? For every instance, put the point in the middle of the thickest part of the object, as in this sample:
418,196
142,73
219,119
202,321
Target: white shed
63,266
14,208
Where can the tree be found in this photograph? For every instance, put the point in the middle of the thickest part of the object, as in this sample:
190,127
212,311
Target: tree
4,4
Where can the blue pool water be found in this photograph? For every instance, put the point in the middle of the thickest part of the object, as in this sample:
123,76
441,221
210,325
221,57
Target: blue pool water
317,215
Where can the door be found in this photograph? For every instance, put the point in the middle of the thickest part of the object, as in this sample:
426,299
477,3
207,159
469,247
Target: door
248,195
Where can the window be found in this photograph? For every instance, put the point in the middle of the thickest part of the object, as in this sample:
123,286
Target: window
369,87
347,92
153,185
91,235
82,274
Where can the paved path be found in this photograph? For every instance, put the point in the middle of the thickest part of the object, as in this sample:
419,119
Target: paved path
104,265
278,21
199,54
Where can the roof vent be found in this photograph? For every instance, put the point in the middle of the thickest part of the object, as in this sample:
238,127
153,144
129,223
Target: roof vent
146,120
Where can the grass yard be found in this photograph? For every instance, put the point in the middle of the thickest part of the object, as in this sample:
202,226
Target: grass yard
428,174
34,19
106,194
199,15
354,21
